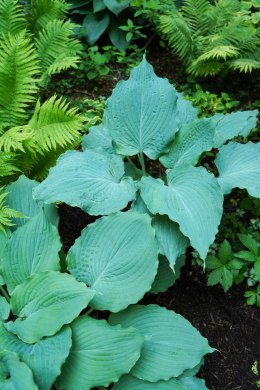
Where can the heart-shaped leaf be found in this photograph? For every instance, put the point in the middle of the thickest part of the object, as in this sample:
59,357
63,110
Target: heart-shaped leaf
141,114
113,258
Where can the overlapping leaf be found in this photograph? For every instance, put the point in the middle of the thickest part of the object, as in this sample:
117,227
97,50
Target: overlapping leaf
129,382
171,342
117,257
44,303
239,166
15,374
192,198
44,358
90,180
100,354
165,276
32,248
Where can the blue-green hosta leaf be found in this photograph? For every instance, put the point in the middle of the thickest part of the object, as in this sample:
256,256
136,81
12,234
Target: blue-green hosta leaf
100,354
32,248
117,6
192,198
185,109
141,114
193,383
117,257
44,303
172,243
4,237
94,25
90,180
4,308
172,345
98,138
239,166
14,374
232,125
193,139
44,358
129,382
166,277
139,206
20,198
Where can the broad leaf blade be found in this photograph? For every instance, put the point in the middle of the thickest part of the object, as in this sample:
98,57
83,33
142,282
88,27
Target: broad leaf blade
172,243
94,26
232,125
172,345
117,6
165,276
98,138
15,374
193,383
100,354
45,358
141,114
186,111
129,382
192,198
32,248
239,166
113,258
4,309
190,142
90,180
44,303
20,198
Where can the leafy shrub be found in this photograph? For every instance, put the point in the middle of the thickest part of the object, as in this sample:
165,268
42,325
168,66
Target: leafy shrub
97,17
47,337
212,39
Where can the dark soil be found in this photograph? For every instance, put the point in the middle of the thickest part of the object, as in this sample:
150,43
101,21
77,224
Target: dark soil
230,325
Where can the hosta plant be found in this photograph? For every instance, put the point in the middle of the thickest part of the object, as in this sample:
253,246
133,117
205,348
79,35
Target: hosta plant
52,330
146,120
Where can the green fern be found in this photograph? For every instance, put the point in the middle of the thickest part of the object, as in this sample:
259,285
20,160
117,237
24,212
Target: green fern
55,124
18,69
212,38
56,49
14,139
6,213
12,19
8,165
43,12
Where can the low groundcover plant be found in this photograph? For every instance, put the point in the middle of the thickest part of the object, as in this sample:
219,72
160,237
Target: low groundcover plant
49,335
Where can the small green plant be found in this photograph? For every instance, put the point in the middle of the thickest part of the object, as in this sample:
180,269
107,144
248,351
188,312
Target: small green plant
209,103
225,268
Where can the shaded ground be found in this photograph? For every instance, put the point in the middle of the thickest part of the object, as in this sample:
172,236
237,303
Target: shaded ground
232,327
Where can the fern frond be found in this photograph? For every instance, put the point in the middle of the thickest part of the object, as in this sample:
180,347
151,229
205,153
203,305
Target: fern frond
13,139
55,124
12,18
244,65
205,68
46,11
56,49
6,213
219,52
176,30
195,13
18,68
8,164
